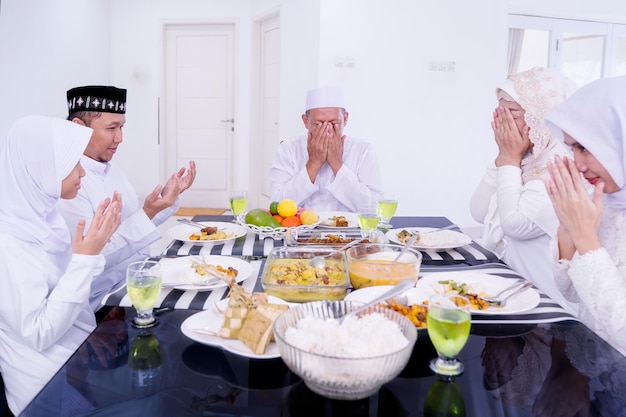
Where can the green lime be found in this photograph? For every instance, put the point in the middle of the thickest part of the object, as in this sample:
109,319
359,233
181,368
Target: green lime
274,207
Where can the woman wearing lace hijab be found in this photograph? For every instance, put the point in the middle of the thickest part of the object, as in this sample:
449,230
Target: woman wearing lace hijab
45,275
511,200
592,230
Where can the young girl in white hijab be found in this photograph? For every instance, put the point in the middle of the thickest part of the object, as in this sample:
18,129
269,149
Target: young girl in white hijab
45,276
592,229
511,200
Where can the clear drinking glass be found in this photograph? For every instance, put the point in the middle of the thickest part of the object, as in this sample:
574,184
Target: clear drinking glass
448,322
368,217
238,201
143,284
387,206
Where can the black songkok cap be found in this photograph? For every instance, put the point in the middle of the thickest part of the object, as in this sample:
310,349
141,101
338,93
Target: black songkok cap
97,98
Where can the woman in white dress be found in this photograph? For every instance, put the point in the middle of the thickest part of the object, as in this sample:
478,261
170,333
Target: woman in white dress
591,266
45,275
511,200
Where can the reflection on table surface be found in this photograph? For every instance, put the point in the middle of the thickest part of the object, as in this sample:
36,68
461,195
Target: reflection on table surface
519,370
535,363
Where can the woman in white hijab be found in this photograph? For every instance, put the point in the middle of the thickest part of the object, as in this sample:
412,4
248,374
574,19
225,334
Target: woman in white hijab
511,200
45,275
592,229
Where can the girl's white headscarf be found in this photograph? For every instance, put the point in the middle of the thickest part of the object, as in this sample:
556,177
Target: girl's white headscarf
538,91
37,155
595,116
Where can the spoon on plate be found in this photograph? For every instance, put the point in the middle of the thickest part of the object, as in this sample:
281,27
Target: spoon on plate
407,245
320,260
390,293
192,223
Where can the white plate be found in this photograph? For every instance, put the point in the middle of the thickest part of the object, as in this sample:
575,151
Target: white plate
183,231
369,293
327,223
179,274
444,239
484,284
212,320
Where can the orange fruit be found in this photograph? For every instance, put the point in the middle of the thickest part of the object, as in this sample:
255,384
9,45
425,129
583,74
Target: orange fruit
278,218
291,221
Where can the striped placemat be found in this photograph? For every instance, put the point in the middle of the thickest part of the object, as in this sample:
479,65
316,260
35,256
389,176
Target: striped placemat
252,245
548,311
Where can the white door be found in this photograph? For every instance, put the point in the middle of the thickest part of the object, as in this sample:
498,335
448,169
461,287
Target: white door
198,109
268,109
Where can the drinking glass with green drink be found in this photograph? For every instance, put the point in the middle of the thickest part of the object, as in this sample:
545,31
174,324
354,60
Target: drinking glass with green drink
448,322
368,217
238,201
387,206
143,284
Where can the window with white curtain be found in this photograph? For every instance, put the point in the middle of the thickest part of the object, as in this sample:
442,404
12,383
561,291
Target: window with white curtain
583,51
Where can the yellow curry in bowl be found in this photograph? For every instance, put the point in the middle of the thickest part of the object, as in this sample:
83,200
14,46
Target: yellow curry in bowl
371,272
295,280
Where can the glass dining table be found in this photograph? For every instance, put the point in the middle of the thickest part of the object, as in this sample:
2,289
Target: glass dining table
536,362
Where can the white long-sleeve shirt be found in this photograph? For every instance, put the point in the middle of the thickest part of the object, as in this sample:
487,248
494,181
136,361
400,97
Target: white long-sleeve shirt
44,315
358,181
597,280
133,237
519,224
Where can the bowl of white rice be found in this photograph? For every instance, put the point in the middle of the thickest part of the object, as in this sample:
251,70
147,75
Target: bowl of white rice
347,361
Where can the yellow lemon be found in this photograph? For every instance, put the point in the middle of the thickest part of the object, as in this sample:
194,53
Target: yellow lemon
308,217
287,208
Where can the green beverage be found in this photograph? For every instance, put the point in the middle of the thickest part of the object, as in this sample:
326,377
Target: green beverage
368,221
238,205
387,209
444,400
143,292
448,330
145,352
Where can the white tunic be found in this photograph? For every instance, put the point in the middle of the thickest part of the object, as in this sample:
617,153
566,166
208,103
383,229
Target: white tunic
519,225
132,239
597,280
44,315
357,182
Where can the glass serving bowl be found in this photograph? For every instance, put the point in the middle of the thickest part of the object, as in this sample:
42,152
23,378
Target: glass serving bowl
288,275
371,264
344,378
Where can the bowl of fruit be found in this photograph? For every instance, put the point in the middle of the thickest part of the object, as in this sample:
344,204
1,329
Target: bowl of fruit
278,220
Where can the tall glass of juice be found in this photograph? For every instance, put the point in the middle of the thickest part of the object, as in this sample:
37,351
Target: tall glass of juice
448,322
143,284
387,206
238,202
368,218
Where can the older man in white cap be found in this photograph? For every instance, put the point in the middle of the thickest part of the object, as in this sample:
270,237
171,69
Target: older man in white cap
326,170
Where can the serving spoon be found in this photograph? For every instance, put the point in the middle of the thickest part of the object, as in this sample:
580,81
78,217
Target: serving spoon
390,293
407,245
320,260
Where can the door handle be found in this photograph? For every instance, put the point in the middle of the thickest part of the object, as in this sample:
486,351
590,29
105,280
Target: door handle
228,120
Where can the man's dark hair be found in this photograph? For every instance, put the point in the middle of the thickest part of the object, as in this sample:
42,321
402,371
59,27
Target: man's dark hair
85,116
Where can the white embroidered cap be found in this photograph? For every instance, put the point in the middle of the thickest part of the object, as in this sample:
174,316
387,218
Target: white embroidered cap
324,97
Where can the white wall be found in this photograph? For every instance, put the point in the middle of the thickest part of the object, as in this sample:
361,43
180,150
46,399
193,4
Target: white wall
46,48
430,128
